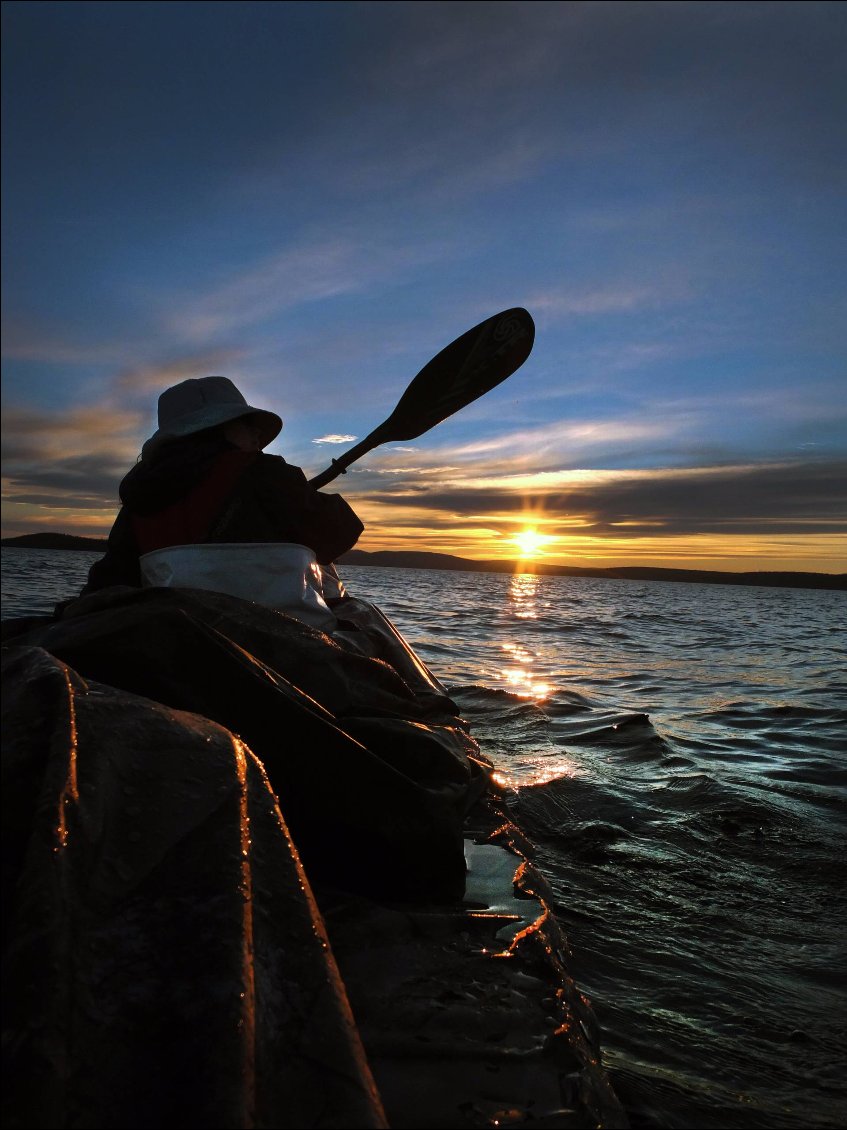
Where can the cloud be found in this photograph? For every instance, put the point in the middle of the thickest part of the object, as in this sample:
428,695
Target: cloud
614,298
591,80
28,433
153,377
69,462
20,344
791,498
335,439
560,441
427,171
315,271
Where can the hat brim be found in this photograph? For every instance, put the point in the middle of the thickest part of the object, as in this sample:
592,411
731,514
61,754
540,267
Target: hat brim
212,417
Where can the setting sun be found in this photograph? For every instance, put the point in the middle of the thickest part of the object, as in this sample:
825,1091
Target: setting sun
529,542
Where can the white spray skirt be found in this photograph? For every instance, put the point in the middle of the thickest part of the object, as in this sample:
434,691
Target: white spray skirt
280,575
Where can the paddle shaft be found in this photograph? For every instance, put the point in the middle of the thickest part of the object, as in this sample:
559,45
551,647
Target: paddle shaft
340,465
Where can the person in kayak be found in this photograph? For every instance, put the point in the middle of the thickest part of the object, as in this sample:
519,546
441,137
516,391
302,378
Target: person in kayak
203,478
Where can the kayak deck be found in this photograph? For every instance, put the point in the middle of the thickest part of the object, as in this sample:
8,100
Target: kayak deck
258,878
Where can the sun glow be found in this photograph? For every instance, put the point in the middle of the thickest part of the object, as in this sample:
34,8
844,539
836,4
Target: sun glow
529,542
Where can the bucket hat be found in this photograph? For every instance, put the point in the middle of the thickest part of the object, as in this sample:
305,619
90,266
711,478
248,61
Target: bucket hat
204,402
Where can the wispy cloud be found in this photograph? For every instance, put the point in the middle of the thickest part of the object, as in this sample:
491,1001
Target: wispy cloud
64,468
335,439
30,340
607,299
144,379
30,434
564,441
427,172
312,272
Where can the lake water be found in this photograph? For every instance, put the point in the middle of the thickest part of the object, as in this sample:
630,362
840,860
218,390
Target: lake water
678,754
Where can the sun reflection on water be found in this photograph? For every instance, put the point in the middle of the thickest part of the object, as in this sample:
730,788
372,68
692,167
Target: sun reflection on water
518,673
523,594
527,773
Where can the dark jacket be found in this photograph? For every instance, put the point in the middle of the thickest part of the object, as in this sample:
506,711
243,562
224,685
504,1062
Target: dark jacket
203,489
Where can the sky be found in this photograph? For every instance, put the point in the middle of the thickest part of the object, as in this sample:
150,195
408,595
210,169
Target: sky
313,199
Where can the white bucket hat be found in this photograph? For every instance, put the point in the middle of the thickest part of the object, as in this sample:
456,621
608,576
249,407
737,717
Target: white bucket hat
204,402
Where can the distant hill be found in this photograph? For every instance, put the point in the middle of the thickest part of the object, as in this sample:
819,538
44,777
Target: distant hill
412,559
54,541
409,559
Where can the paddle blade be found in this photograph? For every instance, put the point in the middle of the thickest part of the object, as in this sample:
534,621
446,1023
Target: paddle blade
473,364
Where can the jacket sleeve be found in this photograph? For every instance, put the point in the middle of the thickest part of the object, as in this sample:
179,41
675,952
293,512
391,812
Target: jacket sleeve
276,503
119,565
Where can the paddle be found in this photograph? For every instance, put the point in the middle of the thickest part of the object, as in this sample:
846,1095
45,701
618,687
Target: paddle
470,366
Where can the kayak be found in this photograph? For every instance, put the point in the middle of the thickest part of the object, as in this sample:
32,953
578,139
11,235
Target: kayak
260,874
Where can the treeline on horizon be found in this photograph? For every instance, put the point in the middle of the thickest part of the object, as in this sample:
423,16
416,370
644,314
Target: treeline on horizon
414,559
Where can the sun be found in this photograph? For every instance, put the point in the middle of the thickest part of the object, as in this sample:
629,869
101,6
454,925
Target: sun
529,542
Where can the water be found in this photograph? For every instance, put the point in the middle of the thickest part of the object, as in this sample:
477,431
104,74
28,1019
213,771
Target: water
678,753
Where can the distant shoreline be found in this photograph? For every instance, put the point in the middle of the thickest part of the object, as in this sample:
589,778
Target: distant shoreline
408,559
412,559
55,541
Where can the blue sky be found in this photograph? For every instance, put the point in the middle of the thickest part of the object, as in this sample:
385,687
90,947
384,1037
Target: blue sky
314,198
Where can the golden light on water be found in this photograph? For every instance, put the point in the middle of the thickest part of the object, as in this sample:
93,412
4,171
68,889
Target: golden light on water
523,595
552,769
524,685
518,673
